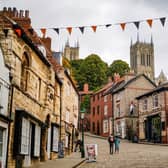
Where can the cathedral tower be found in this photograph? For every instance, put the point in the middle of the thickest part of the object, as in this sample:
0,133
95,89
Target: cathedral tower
142,58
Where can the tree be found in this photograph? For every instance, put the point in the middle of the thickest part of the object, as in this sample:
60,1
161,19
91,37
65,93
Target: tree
92,71
86,103
118,66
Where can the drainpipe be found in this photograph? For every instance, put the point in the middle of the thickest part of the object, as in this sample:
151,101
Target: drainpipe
10,115
60,112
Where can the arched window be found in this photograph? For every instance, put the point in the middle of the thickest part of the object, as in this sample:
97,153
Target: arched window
24,72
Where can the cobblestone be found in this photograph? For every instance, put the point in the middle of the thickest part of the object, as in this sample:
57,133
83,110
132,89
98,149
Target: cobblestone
131,155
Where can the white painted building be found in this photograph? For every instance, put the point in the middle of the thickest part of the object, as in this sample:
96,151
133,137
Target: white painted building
4,111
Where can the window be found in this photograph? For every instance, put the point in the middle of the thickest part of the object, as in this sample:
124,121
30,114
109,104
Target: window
105,126
145,104
37,141
105,110
55,138
25,136
24,72
66,140
93,111
98,109
93,125
118,110
155,101
105,98
1,142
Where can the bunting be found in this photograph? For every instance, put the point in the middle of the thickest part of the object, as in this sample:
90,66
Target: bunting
43,31
162,20
123,26
150,21
82,29
94,28
57,30
137,24
69,30
18,32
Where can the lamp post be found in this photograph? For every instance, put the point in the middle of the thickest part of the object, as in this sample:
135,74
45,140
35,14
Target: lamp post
82,112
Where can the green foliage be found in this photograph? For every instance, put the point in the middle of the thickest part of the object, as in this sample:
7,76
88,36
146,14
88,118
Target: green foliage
92,71
118,66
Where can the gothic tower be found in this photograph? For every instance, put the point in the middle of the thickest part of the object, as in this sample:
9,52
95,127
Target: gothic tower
71,53
142,58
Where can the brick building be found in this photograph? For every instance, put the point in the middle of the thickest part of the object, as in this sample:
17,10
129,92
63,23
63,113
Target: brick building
101,113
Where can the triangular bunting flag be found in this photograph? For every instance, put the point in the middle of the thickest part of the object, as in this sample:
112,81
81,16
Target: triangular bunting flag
137,24
6,32
43,31
94,28
18,32
69,30
163,21
149,21
31,31
108,25
123,26
57,30
81,29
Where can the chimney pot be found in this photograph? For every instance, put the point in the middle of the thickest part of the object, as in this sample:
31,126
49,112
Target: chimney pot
21,14
26,13
5,9
86,87
9,9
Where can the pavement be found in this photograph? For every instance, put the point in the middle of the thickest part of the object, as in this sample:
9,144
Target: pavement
71,161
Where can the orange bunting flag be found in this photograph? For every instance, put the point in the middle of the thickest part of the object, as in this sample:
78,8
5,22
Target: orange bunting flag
43,31
149,22
69,30
18,32
123,26
94,28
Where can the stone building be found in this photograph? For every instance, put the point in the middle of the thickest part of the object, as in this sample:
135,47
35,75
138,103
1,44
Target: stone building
153,115
5,98
37,107
142,58
125,111
71,53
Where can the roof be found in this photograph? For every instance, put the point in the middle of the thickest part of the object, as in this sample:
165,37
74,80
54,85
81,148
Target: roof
163,87
122,84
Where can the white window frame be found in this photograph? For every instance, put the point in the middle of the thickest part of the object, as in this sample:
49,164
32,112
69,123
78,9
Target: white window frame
105,110
37,141
145,104
66,140
105,126
105,98
155,101
25,135
55,139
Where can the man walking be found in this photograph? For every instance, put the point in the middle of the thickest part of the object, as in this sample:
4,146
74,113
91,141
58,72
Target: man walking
111,141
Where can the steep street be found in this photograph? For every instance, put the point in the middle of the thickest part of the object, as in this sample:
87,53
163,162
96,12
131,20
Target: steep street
131,155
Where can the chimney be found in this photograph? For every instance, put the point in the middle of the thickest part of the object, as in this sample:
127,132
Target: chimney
86,87
47,42
116,77
21,14
26,13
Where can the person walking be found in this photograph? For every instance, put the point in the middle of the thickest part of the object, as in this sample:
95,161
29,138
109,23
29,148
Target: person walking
111,142
117,144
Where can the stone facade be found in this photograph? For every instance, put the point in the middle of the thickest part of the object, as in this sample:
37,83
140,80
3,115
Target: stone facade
38,95
142,59
125,105
153,111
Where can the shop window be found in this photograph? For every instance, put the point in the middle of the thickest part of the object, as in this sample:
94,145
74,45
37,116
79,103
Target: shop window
55,138
37,141
25,136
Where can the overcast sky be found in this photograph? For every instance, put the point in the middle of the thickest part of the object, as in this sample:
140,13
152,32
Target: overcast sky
109,43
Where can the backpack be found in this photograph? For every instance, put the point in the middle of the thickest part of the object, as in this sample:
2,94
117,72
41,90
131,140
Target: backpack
111,139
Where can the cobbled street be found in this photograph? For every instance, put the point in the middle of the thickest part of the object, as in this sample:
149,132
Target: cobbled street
131,155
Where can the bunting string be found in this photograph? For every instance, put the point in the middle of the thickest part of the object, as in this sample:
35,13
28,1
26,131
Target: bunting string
94,27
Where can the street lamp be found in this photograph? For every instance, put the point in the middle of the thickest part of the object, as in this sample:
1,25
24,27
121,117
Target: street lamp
82,112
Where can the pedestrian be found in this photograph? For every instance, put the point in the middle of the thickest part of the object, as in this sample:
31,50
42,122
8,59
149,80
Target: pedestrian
78,145
117,144
111,142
